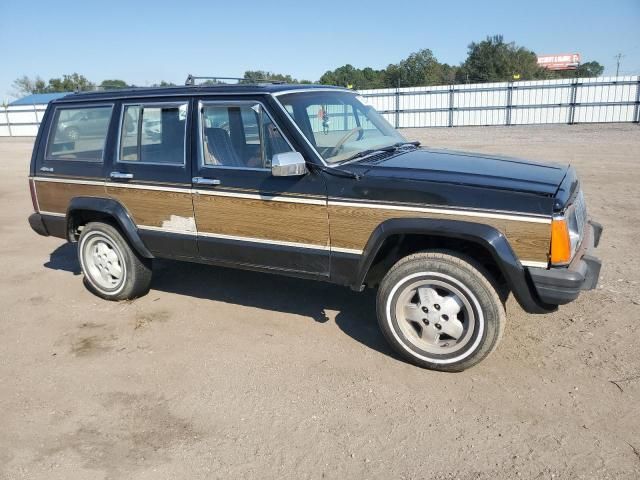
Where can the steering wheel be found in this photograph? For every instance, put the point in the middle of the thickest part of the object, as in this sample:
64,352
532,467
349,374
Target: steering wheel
334,151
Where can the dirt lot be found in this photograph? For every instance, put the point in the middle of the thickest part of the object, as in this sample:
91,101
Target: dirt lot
228,374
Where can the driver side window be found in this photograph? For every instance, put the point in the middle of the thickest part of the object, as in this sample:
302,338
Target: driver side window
239,136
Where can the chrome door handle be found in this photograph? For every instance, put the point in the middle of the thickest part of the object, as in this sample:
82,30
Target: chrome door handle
121,176
205,181
46,169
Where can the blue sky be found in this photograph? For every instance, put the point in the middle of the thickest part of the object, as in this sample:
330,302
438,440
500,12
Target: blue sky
146,41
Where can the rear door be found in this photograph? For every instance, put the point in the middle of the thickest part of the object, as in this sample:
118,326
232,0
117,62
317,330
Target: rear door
151,173
244,215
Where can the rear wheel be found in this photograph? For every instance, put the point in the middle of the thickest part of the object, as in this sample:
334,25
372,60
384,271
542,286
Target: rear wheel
112,270
440,311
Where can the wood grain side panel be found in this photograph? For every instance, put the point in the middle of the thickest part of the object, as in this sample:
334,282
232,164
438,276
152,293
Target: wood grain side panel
156,208
351,227
264,219
55,196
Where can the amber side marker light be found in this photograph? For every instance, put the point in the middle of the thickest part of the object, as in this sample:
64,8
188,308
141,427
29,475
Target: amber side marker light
560,242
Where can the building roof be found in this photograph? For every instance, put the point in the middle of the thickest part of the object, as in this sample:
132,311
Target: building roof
259,88
38,99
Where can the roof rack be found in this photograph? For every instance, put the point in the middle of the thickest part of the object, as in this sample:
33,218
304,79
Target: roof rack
191,80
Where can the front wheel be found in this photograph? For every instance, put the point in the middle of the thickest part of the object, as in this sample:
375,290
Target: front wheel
439,311
112,270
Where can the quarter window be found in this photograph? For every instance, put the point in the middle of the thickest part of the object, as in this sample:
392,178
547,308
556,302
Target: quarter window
79,134
239,136
153,134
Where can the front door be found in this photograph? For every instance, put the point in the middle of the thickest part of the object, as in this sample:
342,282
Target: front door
151,174
244,215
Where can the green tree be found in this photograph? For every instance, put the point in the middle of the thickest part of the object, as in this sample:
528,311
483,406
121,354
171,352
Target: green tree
163,83
421,68
585,70
26,86
112,84
494,60
348,75
258,75
69,83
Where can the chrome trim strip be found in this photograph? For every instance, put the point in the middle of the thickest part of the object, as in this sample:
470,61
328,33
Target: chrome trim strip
238,238
444,211
193,233
68,180
265,241
251,196
354,251
53,214
149,187
307,90
35,194
527,263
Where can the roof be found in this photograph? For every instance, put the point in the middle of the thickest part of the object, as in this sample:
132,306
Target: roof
38,99
260,88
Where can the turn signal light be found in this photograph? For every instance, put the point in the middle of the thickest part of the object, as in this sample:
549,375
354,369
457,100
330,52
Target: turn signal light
560,242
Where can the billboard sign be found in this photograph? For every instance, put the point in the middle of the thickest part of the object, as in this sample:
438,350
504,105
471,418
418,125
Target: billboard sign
563,61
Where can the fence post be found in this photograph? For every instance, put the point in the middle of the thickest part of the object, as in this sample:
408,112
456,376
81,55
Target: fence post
509,103
397,107
636,113
6,115
572,101
451,98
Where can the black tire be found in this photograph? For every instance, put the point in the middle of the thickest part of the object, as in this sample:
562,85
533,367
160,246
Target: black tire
480,323
136,272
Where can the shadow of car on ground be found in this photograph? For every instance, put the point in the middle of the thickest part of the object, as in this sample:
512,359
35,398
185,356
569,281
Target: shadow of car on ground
356,312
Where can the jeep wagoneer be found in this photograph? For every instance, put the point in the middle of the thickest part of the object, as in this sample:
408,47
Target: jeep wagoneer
309,181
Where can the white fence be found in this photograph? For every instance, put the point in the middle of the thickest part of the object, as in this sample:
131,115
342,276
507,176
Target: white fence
21,120
575,100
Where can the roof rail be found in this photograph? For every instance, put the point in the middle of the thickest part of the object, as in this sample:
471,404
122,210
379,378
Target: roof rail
191,80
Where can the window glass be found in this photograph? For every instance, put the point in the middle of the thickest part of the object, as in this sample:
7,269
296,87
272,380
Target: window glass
338,124
79,134
153,134
241,136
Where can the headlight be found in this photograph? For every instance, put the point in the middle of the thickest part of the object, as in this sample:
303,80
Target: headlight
566,232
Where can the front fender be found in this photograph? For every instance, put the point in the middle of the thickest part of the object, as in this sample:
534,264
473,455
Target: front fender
485,236
115,210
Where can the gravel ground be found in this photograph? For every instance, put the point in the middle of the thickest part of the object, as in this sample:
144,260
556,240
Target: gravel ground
228,374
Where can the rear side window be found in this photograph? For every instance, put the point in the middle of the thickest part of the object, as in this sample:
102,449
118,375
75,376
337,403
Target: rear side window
153,134
79,133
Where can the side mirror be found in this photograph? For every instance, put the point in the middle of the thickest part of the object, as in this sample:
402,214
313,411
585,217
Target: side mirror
288,164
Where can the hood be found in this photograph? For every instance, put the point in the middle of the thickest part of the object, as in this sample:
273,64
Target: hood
479,170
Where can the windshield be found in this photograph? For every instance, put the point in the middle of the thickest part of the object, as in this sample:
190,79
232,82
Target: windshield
338,124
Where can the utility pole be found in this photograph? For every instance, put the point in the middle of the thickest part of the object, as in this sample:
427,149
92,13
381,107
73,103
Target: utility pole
618,57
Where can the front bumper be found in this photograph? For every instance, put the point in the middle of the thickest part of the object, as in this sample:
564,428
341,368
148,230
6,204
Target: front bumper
557,286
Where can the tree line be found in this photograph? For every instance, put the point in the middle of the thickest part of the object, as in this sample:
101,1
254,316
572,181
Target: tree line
490,60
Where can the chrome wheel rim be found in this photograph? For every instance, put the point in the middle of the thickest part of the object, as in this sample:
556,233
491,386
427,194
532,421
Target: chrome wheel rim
436,315
103,262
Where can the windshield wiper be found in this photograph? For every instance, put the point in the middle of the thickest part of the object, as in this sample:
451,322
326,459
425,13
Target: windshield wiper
404,144
390,148
364,153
